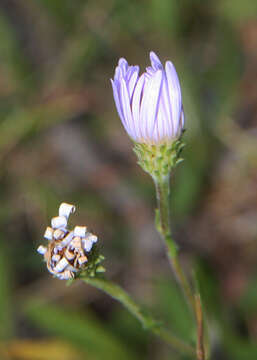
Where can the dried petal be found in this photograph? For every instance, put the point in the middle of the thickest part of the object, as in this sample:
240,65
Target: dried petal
59,222
69,255
80,231
66,210
61,265
41,250
48,233
87,244
58,234
75,243
56,257
92,237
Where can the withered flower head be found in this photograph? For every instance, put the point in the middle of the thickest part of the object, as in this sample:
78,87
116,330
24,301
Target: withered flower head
68,251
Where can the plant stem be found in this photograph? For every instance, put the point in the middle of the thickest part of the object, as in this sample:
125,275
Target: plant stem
200,351
162,185
147,321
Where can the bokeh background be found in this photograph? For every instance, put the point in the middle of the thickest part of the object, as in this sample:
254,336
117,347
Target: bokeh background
61,140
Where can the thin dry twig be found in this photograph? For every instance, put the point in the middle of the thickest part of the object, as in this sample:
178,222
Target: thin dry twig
200,352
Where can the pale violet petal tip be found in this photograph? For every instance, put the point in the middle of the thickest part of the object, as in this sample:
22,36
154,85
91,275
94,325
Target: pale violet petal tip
155,61
122,62
117,73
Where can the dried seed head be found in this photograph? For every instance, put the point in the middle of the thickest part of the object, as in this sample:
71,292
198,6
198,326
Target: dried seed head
67,251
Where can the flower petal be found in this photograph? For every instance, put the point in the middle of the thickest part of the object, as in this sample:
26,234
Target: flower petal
155,61
117,101
150,103
123,65
174,94
125,100
167,107
136,101
161,129
132,81
128,73
118,74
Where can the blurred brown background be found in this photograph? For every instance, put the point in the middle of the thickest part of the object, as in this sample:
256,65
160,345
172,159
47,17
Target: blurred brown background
61,140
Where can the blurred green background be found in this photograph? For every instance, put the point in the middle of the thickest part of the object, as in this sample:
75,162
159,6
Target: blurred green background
61,140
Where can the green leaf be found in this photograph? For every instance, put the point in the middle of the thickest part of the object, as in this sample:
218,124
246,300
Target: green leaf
80,329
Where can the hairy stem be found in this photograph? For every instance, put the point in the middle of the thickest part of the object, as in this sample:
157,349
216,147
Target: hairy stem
162,185
147,321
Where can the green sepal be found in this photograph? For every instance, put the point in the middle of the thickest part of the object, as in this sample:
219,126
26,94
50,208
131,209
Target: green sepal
92,267
100,269
160,159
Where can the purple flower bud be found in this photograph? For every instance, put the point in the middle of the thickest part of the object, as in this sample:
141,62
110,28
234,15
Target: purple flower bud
150,105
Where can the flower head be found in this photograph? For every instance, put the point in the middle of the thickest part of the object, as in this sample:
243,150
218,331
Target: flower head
150,105
68,251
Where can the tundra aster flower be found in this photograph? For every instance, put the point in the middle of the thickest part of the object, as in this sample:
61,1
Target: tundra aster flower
150,105
151,111
68,251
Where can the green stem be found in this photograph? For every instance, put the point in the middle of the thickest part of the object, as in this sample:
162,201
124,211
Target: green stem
146,320
162,185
